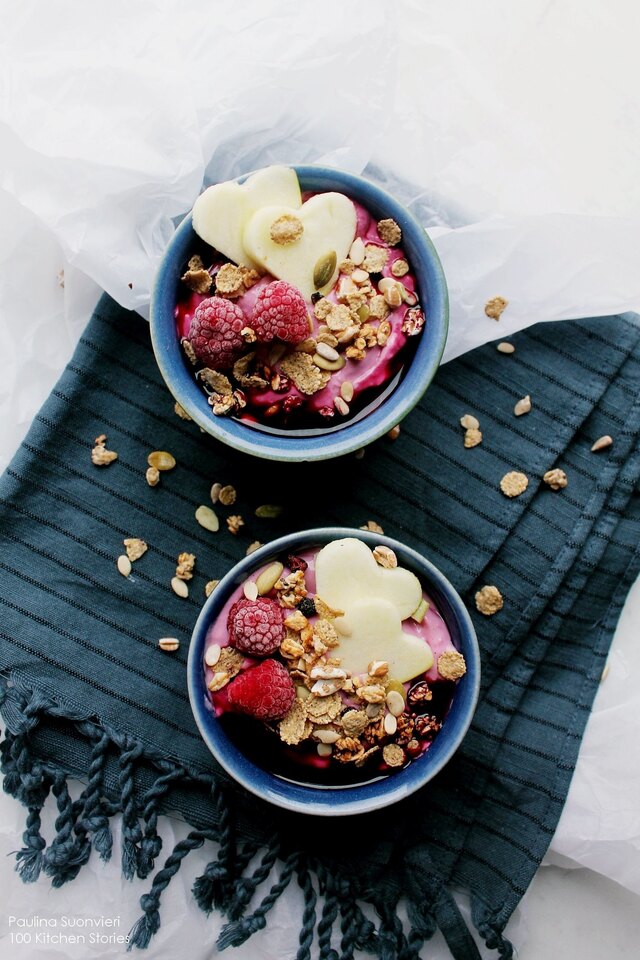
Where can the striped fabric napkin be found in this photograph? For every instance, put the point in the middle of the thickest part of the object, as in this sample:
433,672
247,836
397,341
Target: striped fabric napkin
86,692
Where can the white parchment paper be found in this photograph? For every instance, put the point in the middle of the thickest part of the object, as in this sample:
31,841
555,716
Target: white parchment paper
512,131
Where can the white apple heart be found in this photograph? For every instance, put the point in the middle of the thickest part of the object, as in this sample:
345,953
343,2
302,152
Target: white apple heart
329,227
346,571
373,631
221,213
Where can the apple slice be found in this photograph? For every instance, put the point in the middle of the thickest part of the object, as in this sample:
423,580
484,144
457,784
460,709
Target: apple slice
346,573
221,213
328,230
375,633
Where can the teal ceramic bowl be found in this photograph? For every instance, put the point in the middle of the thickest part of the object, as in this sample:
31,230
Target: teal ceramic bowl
317,444
344,800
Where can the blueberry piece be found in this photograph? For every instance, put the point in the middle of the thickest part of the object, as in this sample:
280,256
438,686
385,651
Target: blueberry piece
307,607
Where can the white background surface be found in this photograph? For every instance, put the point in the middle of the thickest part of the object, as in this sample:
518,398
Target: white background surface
526,113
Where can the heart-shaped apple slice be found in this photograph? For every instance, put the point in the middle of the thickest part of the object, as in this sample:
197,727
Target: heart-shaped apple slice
310,262
374,632
221,213
347,572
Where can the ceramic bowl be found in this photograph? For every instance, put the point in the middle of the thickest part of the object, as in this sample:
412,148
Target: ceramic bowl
319,444
353,799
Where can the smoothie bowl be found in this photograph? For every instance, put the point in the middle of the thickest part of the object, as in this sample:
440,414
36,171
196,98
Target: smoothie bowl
333,672
299,313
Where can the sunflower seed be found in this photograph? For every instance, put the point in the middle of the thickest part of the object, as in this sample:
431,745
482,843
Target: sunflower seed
395,703
341,406
357,252
505,347
324,749
180,588
346,390
601,443
124,565
169,644
250,590
212,655
207,519
268,578
390,724
324,350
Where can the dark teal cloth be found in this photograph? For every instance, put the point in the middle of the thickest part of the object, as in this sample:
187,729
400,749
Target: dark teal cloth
88,693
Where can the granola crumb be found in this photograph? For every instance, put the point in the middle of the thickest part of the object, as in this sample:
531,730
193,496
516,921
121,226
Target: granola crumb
210,586
229,281
253,547
399,268
186,563
227,495
189,351
152,476
451,665
378,308
180,411
385,557
346,266
469,422
286,230
248,334
135,548
514,483
197,278
375,258
556,479
100,456
234,522
522,406
472,438
489,600
372,527
390,232
394,433
495,307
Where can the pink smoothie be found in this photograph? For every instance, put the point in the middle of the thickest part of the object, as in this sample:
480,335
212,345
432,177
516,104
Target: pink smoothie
379,366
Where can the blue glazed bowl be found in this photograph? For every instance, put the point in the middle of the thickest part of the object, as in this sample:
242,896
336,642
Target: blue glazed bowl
323,444
338,801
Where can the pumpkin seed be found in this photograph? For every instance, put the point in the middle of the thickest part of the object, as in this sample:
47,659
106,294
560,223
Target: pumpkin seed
323,270
207,519
363,313
395,685
124,565
268,511
180,588
214,493
268,578
161,460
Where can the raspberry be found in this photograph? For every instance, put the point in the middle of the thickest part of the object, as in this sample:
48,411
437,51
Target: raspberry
265,691
280,312
256,627
215,332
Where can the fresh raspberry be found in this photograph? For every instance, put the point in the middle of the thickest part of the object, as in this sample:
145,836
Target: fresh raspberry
215,332
256,627
265,691
280,312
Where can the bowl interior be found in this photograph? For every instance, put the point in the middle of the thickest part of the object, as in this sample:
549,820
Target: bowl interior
280,446
373,794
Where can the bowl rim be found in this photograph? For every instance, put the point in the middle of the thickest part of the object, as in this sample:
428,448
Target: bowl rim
355,435
326,801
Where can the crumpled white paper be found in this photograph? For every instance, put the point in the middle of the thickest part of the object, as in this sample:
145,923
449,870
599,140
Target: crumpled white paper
510,130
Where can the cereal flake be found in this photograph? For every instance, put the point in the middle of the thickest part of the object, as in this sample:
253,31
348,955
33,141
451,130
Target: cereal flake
390,232
514,483
294,727
307,377
451,665
229,281
286,230
489,600
375,258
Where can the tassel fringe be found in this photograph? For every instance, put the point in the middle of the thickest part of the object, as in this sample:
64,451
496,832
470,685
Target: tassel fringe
333,921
